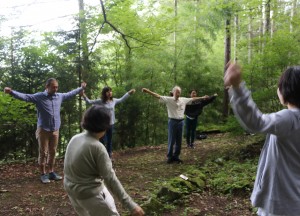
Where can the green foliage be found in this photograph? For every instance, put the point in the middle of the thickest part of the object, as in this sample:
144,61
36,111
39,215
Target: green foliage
231,177
152,58
17,128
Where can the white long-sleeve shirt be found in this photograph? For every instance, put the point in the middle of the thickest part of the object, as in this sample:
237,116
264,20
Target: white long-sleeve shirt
110,105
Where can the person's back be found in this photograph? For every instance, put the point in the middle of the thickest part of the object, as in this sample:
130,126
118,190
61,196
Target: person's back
277,186
89,173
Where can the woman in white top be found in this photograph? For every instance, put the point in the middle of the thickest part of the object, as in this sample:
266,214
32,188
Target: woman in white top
109,102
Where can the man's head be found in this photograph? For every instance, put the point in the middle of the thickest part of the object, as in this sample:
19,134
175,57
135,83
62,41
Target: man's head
176,92
51,86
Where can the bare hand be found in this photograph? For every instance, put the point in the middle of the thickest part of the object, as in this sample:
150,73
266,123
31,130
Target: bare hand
132,91
81,93
7,90
233,75
216,95
83,85
137,211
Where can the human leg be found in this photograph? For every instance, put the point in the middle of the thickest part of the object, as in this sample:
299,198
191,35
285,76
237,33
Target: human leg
193,130
102,203
43,141
171,138
178,142
53,141
108,134
188,131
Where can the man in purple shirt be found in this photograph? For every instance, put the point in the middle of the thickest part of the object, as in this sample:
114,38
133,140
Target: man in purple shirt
48,104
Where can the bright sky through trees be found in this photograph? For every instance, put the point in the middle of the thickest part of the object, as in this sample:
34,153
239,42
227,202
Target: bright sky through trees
40,15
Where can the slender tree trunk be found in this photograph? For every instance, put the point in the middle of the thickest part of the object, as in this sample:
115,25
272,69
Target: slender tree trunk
294,6
250,39
83,64
226,60
236,27
175,42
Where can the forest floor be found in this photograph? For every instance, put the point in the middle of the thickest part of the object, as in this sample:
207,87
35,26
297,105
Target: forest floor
141,171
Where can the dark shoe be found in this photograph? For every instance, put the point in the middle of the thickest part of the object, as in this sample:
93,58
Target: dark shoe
192,146
177,160
170,160
54,176
45,179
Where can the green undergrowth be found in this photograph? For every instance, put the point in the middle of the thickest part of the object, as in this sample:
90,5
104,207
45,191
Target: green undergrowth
230,177
228,171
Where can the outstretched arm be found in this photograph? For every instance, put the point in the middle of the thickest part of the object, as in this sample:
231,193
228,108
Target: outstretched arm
151,93
201,98
21,96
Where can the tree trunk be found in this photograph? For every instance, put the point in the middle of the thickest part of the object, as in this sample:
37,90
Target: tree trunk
175,42
226,60
83,63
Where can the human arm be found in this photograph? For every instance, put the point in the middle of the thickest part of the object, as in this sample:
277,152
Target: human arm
247,112
70,94
88,101
151,93
201,98
21,96
107,173
124,97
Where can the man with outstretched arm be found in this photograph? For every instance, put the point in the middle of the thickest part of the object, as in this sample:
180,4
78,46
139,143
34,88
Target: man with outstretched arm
48,105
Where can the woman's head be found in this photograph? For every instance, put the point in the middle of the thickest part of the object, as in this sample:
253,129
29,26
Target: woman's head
106,94
96,119
289,86
193,93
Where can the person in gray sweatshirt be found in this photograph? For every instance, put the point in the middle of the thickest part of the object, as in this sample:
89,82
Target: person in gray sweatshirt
277,186
88,174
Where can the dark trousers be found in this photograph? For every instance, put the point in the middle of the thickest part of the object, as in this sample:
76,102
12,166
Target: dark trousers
190,126
107,140
175,128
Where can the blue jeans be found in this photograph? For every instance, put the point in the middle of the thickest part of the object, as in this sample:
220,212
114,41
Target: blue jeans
174,138
190,126
107,140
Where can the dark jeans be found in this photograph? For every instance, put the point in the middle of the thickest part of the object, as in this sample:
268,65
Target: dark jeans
190,126
174,138
107,140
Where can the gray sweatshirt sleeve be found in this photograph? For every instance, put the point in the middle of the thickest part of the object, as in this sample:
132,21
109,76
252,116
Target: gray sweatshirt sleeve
252,119
112,182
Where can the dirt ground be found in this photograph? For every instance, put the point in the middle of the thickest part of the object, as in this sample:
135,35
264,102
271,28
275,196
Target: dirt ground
141,170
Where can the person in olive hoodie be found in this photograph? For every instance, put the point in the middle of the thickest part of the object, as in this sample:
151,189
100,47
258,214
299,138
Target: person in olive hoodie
192,111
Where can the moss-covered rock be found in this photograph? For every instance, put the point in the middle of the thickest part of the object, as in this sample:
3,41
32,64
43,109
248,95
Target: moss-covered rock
153,206
169,193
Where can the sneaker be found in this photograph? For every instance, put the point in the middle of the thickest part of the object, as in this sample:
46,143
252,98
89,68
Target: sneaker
45,179
192,146
54,176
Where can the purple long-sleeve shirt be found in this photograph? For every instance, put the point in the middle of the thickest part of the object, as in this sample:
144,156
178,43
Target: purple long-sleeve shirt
48,106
